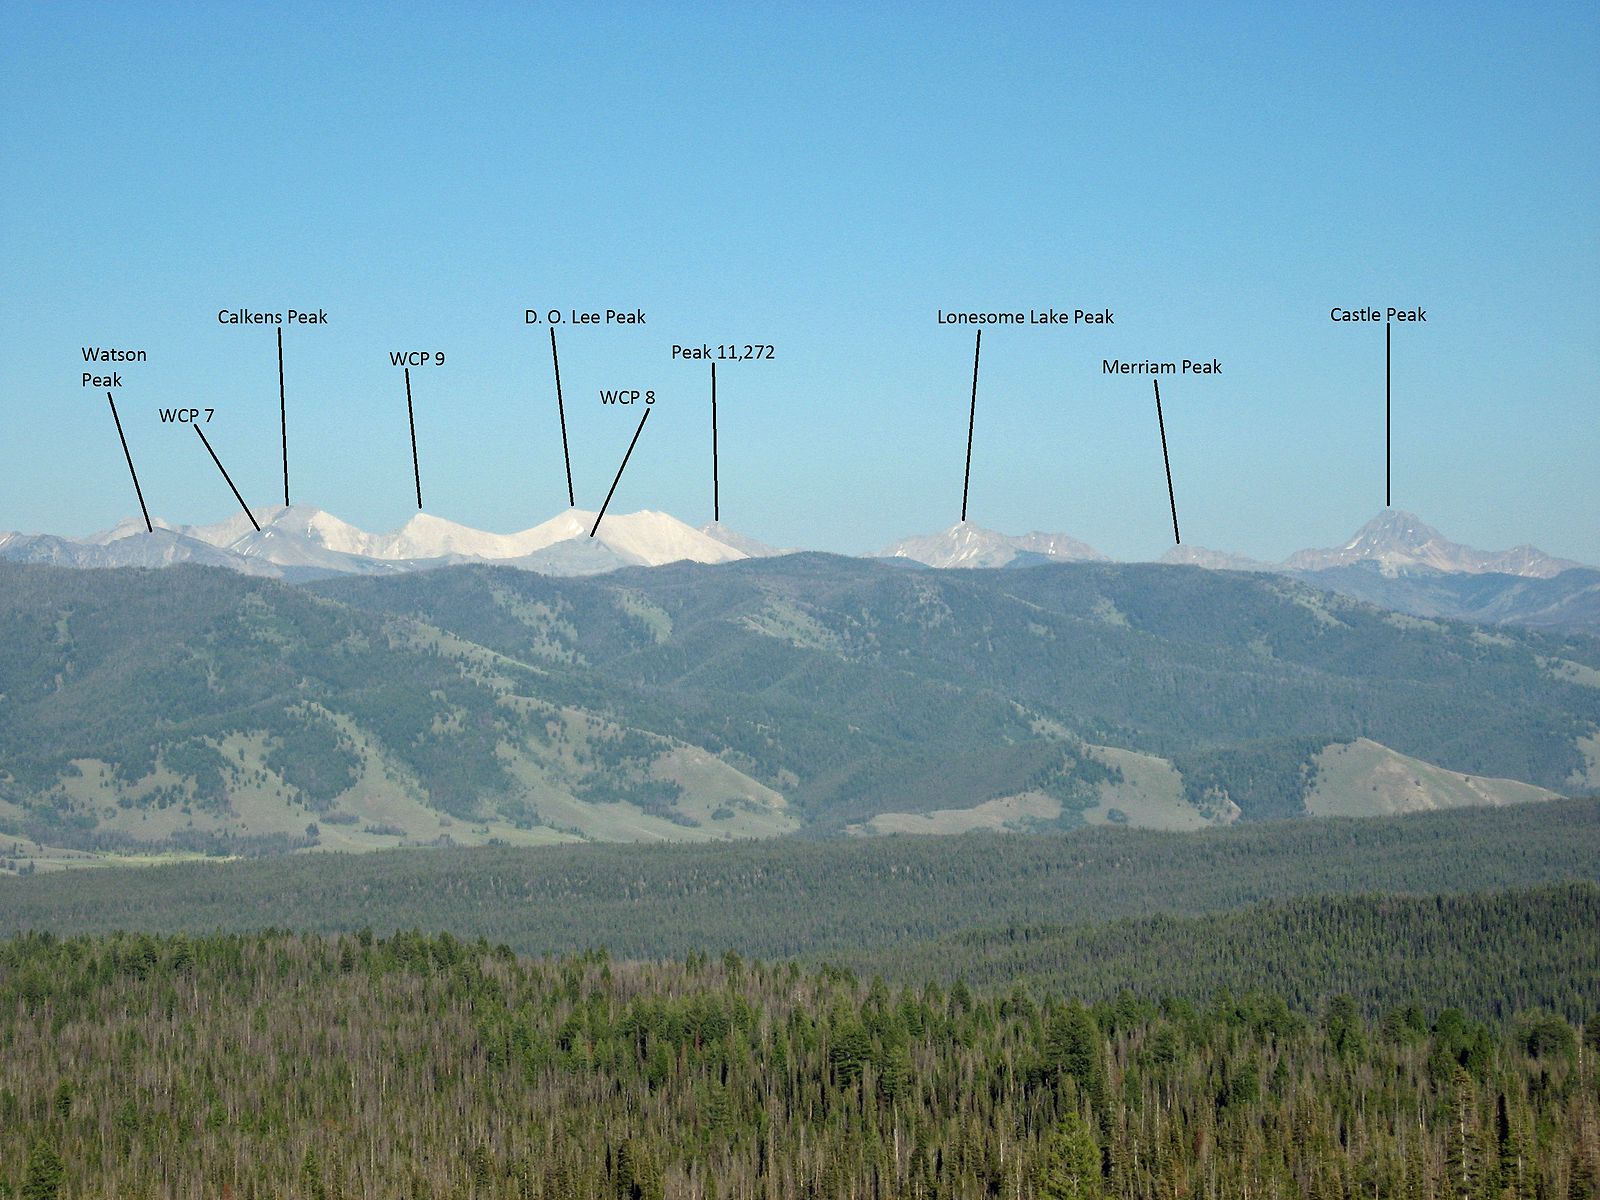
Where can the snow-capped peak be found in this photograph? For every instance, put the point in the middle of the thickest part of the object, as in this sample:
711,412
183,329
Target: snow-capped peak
1398,542
302,537
655,538
428,536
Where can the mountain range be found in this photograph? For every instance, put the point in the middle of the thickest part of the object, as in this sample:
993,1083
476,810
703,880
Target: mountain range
209,710
967,545
1395,560
299,542
1397,543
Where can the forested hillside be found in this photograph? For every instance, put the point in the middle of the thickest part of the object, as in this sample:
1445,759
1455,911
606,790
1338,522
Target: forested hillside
816,665
198,710
285,1066
794,897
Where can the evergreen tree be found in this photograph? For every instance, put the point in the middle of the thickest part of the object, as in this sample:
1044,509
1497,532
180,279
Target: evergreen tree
311,1176
45,1175
1073,1048
1071,1167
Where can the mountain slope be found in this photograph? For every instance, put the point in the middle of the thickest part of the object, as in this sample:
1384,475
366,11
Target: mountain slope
159,548
205,710
1397,562
185,706
873,690
1214,560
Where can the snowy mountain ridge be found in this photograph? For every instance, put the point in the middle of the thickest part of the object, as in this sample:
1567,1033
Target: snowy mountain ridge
303,541
300,539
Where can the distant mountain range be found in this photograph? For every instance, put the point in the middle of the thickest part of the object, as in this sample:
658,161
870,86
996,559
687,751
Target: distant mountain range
969,545
1395,542
1395,560
300,542
1398,543
1398,562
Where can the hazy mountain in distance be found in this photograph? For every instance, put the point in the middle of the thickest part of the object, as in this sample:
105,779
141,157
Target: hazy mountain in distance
1397,562
162,548
1568,602
1212,560
967,545
1399,543
748,546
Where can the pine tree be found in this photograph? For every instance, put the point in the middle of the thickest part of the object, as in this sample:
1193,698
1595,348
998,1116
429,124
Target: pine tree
1071,1167
1580,1179
1073,1047
311,1176
46,1173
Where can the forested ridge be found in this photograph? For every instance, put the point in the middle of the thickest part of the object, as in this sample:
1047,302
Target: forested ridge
790,897
277,1065
818,650
196,709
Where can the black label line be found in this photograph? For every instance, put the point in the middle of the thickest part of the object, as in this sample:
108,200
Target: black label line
226,477
972,417
716,487
620,470
561,411
137,490
283,420
1166,461
411,419
1388,422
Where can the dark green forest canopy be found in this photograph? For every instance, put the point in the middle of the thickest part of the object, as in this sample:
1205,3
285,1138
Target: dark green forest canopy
790,897
262,1066
1492,954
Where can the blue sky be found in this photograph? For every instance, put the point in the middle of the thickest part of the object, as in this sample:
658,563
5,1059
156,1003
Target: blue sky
824,180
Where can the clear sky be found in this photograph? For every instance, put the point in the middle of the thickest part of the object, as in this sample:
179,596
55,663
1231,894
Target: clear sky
823,179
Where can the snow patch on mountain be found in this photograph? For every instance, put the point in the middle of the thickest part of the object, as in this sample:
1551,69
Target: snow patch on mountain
967,545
